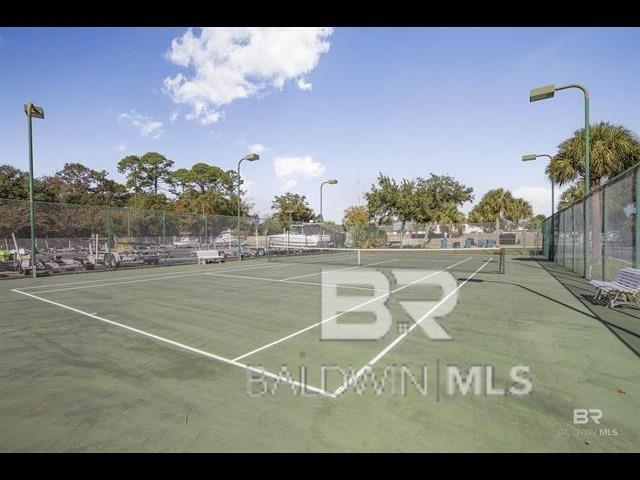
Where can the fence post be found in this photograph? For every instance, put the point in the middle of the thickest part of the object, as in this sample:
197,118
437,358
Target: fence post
636,223
573,238
206,232
605,229
562,229
164,234
109,235
554,241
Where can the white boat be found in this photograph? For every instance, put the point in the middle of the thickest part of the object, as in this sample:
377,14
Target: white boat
473,229
296,240
186,242
228,239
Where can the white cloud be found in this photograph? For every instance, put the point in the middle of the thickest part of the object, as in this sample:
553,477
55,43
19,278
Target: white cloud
174,116
539,197
203,116
288,185
304,167
257,148
251,187
120,147
146,126
231,63
303,84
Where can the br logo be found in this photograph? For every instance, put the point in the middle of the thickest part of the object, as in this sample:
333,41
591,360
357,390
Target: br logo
585,415
336,302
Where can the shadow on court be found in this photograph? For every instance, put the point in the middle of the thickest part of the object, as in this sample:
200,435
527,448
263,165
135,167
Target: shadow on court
623,322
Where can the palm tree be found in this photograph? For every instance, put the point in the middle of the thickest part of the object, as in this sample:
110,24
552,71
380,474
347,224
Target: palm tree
572,194
494,205
614,149
519,209
449,215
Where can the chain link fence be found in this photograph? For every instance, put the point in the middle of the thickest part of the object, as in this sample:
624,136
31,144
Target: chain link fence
613,238
524,236
71,238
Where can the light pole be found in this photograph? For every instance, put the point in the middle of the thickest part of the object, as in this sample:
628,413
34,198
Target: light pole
32,111
548,91
328,182
533,156
251,157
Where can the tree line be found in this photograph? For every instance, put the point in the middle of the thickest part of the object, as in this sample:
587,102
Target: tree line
152,182
613,150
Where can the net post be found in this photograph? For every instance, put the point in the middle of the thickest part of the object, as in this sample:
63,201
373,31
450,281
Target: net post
503,259
359,258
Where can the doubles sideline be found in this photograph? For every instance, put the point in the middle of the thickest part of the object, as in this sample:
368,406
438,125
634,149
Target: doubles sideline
235,361
182,345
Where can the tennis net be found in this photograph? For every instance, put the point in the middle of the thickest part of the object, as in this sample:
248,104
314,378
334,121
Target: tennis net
489,260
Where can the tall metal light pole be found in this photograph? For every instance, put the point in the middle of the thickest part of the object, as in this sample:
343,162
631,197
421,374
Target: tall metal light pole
251,157
32,111
533,156
328,182
548,91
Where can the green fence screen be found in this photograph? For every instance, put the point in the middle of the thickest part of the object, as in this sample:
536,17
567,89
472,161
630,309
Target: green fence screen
613,240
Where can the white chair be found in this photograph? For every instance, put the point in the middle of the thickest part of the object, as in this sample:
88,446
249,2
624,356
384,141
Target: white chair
623,289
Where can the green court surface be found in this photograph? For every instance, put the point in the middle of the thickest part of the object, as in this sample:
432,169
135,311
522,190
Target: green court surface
215,358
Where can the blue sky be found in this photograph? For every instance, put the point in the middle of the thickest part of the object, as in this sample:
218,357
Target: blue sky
341,103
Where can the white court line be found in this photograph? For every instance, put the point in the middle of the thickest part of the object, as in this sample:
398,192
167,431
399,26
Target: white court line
316,260
275,280
143,278
264,347
181,345
126,282
237,266
338,270
386,350
95,280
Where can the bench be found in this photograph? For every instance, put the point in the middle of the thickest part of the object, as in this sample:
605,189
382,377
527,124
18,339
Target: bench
623,289
204,255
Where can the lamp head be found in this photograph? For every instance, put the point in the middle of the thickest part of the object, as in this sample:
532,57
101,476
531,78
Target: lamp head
33,110
528,158
251,157
332,181
542,93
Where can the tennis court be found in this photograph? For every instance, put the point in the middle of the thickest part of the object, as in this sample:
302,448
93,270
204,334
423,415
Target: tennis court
231,357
